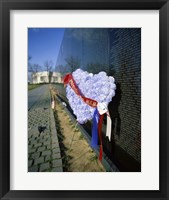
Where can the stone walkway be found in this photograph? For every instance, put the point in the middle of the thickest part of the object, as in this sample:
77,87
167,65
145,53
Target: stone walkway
43,146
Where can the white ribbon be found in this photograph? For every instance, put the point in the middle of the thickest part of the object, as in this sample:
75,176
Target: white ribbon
53,104
108,128
102,108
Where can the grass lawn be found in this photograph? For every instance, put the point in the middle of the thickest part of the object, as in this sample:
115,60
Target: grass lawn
33,86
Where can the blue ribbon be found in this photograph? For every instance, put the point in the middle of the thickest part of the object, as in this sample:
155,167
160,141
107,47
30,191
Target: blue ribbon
94,141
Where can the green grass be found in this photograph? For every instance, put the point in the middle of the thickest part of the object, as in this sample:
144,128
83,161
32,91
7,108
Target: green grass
33,86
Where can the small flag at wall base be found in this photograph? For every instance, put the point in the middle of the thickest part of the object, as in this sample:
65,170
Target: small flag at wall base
108,128
53,104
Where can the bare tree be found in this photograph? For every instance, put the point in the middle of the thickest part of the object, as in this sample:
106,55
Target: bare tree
62,69
97,67
35,68
48,65
73,63
29,64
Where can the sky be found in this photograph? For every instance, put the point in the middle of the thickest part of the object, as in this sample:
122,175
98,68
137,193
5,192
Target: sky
44,44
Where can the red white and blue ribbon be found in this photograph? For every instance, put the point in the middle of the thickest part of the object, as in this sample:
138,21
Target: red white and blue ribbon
97,117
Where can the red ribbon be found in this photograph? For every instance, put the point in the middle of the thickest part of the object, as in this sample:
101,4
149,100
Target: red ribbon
68,79
100,136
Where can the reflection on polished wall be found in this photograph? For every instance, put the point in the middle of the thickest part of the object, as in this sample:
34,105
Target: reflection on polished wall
89,46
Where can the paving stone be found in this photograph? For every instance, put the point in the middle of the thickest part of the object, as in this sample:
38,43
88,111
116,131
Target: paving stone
34,130
41,148
46,142
44,166
30,163
31,150
39,161
47,158
31,140
56,155
34,137
47,137
53,124
30,146
55,141
54,136
35,133
56,150
56,163
36,155
34,142
33,169
43,134
49,146
38,145
41,140
46,153
29,156
57,169
41,144
55,145
29,134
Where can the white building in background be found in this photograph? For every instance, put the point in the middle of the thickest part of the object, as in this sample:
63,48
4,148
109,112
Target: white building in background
46,77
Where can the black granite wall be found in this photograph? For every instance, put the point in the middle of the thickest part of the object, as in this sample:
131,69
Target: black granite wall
118,52
125,108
